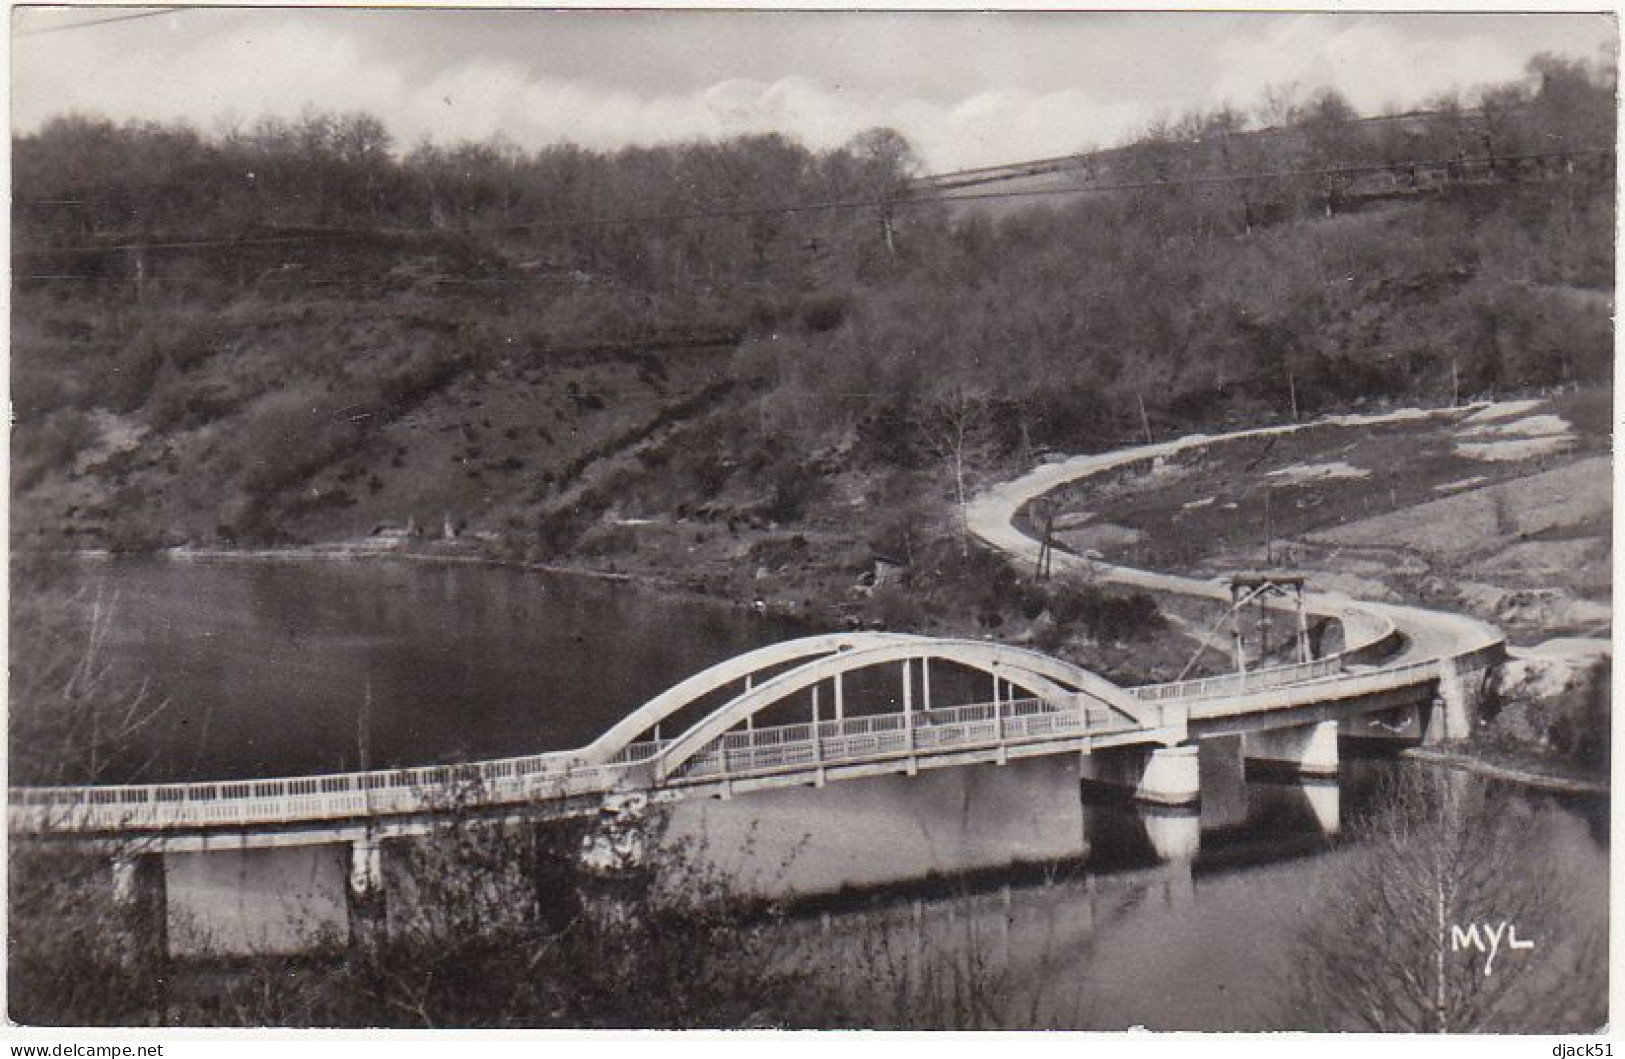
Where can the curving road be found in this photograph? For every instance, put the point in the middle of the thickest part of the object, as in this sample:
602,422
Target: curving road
1428,635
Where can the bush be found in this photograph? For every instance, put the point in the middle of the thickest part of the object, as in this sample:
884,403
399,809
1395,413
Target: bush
73,956
823,313
795,485
773,552
897,609
186,405
51,445
496,926
127,380
606,540
289,436
558,531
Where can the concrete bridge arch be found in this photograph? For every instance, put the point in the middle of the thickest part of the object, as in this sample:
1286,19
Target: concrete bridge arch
1040,675
725,674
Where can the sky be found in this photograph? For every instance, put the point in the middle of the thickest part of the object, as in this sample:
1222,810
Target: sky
966,88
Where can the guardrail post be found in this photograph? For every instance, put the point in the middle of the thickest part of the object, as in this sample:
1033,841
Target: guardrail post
817,739
1304,652
908,712
998,723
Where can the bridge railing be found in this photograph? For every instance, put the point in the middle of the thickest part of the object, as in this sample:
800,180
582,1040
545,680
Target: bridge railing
1368,636
335,796
1350,686
747,751
534,777
1235,683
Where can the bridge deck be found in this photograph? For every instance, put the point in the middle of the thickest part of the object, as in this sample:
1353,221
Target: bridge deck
751,753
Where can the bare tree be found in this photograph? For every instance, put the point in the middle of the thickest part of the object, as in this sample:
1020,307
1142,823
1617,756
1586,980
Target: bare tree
73,717
954,426
76,953
1428,928
888,164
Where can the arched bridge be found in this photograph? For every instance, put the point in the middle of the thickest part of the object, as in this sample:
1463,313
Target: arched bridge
1033,704
718,743
779,716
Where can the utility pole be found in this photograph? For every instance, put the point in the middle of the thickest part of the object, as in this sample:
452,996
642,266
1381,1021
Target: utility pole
1269,531
1046,544
363,730
1145,420
1292,391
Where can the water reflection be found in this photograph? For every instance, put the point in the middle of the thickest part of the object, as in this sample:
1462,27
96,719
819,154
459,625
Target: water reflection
255,900
287,668
859,835
1089,913
864,833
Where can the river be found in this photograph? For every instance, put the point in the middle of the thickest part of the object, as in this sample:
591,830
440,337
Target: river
1093,914
287,668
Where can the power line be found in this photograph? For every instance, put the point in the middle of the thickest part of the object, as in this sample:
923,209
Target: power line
1273,175
96,22
1084,158
829,206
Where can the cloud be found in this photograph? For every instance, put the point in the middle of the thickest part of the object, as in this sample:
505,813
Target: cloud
1396,61
967,90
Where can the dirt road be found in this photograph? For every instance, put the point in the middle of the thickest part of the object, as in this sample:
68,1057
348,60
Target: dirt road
1427,634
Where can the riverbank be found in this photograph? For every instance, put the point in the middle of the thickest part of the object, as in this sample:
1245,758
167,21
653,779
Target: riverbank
944,591
1480,764
352,553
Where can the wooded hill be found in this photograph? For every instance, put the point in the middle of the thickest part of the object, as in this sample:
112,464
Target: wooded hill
296,331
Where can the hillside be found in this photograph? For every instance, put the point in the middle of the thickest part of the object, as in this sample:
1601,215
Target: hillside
646,362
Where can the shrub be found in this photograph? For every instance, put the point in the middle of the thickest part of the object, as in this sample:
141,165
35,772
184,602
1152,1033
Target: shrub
495,927
51,444
794,485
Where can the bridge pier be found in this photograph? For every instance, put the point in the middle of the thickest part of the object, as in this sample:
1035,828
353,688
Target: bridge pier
1450,716
1168,775
1175,837
1224,782
1177,884
1301,750
126,878
140,893
1326,803
365,887
1301,806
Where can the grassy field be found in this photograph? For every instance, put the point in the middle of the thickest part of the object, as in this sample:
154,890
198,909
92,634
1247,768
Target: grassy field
1505,513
